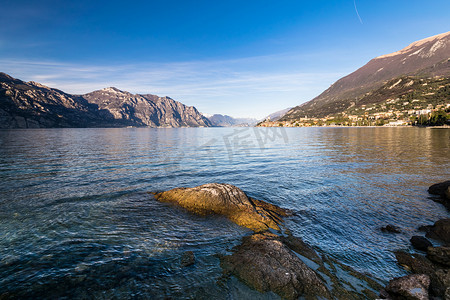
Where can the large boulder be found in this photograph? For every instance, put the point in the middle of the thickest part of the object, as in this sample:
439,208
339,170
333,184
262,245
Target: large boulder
227,200
265,263
443,190
439,188
410,287
440,231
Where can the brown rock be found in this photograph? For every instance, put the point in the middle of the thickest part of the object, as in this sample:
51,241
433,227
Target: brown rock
440,231
439,255
416,263
414,287
263,262
227,200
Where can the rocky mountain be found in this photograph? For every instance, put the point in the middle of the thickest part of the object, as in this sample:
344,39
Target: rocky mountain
227,121
424,59
32,105
146,110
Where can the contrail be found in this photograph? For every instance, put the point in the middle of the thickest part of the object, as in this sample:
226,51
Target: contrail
354,2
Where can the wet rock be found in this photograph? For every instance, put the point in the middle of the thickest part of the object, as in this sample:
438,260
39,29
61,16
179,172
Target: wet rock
440,231
439,188
415,262
227,200
419,264
188,259
296,244
263,262
439,255
443,190
420,243
390,228
413,286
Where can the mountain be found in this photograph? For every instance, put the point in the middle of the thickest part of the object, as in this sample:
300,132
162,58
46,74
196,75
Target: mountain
33,105
227,121
146,110
277,115
426,58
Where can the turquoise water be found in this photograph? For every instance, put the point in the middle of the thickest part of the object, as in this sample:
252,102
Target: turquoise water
76,218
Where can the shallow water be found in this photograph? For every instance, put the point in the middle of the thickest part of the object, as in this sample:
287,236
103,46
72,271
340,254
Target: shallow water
76,218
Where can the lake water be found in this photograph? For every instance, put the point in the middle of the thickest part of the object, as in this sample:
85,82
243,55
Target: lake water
76,218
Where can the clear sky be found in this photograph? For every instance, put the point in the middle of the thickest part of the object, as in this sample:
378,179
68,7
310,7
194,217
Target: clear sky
241,58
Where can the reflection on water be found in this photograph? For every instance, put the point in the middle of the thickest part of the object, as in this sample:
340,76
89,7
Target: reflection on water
76,218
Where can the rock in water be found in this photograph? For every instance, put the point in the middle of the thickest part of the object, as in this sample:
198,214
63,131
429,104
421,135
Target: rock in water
390,228
420,243
409,287
440,231
188,259
227,200
263,262
439,188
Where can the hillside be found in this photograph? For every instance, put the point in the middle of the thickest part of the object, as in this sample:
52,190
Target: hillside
426,58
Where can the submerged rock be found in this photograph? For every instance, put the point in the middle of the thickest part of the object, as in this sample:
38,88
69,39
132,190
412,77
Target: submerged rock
440,231
265,263
188,259
227,200
390,228
413,286
420,243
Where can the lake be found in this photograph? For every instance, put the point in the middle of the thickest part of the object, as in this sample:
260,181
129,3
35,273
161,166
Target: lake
77,219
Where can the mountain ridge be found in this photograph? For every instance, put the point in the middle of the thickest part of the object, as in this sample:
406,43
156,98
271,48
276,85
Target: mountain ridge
426,57
228,121
34,105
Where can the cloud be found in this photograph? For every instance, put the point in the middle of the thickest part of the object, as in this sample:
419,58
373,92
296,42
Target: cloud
252,87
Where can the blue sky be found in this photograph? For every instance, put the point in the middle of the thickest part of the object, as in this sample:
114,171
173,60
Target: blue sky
241,58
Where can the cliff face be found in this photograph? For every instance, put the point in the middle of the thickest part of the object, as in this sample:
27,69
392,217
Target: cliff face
425,58
147,110
32,105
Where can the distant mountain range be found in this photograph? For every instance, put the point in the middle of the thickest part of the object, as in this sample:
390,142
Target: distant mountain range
33,105
227,121
375,82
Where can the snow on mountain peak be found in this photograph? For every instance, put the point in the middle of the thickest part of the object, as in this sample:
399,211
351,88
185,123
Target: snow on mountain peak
413,46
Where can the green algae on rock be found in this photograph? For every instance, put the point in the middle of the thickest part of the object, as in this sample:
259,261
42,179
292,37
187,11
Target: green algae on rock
229,201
